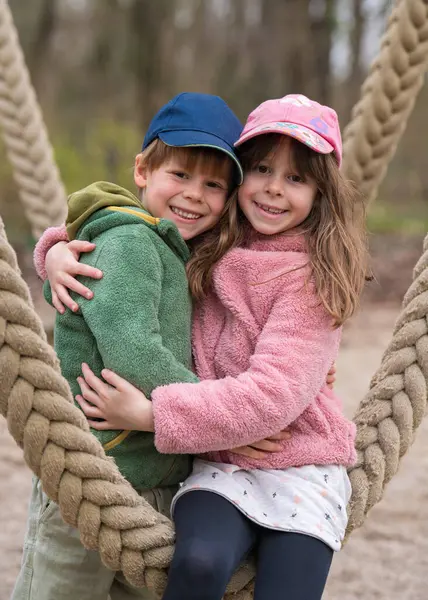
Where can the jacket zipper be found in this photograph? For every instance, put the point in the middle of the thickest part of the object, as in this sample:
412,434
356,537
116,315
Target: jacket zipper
116,441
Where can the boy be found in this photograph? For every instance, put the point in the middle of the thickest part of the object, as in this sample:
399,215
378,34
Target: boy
139,321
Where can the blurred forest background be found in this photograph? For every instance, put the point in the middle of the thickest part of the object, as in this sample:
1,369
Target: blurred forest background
101,68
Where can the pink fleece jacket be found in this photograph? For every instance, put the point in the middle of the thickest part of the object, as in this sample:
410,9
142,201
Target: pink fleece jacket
262,345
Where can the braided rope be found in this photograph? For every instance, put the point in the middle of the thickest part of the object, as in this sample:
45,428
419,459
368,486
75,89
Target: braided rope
387,97
25,137
60,449
392,410
389,415
90,491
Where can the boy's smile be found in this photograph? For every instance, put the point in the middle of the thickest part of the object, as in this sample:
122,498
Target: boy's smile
191,198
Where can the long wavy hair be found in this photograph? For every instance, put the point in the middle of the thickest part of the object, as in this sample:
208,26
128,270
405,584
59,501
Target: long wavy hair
334,231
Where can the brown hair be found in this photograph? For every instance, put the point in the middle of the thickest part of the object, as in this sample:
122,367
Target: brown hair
334,230
210,246
213,162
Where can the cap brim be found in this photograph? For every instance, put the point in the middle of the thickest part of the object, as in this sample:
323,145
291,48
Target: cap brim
200,139
301,133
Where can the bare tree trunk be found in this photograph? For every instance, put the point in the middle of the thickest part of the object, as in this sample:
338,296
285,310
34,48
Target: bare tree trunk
108,56
196,48
232,67
38,56
321,27
149,22
298,50
356,74
36,28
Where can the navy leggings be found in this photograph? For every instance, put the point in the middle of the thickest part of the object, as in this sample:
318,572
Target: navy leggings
213,537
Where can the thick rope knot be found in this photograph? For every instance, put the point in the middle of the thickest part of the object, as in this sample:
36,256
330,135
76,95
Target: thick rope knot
25,137
388,96
390,414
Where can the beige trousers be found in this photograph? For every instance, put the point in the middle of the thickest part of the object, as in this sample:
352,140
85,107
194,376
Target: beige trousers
56,566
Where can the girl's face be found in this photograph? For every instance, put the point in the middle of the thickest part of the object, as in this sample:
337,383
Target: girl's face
273,196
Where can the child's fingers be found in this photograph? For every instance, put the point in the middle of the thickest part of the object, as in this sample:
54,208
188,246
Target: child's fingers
89,410
101,425
267,446
114,379
81,246
64,297
250,452
281,436
71,283
57,303
101,388
89,394
88,271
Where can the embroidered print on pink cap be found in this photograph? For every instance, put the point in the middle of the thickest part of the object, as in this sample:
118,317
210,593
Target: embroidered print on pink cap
311,123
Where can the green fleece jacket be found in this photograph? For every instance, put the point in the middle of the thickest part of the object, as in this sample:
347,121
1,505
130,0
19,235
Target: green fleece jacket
139,321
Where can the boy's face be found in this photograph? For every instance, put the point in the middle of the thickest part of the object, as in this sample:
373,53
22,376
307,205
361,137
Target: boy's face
192,199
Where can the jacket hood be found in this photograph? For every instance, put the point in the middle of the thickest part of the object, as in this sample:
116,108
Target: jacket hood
83,204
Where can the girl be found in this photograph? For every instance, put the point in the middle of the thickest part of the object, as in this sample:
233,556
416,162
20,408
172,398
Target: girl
265,333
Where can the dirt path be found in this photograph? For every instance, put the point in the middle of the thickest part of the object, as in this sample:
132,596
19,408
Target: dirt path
386,559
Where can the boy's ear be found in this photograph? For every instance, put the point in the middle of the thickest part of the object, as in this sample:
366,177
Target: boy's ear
140,172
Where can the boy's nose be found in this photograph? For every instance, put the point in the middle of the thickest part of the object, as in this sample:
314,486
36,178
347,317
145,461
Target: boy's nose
193,192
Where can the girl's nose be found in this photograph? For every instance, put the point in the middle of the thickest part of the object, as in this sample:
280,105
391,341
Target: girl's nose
274,187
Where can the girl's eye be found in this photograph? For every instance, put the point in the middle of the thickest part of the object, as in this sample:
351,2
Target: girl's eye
215,185
295,178
262,169
180,174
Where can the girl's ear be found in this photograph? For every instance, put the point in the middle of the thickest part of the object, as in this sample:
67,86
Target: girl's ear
140,172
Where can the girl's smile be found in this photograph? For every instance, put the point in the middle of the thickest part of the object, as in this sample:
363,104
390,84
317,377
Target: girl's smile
270,211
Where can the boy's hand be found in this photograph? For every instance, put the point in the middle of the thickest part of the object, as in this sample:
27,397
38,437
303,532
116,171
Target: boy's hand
118,403
62,266
263,448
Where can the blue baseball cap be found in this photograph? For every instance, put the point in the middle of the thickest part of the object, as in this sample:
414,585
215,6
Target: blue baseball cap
203,120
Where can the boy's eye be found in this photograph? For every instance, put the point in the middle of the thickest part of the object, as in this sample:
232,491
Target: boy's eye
180,174
215,184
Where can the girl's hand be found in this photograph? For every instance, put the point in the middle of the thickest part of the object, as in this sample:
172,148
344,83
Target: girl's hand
331,376
62,265
118,402
263,448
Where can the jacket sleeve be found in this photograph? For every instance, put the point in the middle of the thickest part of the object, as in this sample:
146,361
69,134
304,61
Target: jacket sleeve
287,370
50,237
124,313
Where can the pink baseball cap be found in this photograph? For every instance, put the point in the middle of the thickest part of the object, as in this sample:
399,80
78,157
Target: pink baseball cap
313,124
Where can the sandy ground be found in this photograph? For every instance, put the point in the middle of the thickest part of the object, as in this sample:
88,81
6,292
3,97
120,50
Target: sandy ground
386,559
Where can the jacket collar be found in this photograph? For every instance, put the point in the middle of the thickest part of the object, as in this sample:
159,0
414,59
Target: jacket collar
280,242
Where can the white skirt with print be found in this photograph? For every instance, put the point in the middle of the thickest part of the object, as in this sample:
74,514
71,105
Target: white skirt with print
310,500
